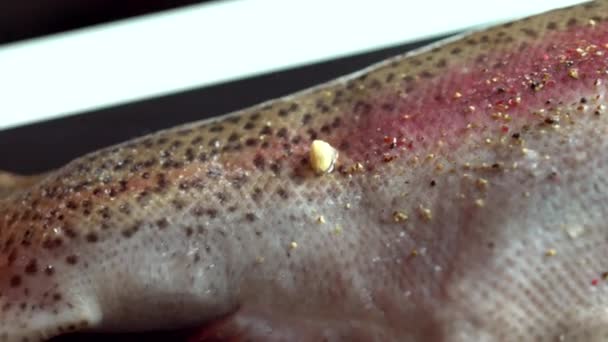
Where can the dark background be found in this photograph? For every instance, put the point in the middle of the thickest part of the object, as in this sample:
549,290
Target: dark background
47,145
21,19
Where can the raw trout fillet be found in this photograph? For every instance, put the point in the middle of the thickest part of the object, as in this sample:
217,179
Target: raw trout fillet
456,193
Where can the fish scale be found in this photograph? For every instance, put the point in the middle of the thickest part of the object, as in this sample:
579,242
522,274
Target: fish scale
463,170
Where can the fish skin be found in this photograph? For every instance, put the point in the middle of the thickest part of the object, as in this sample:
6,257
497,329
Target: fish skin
218,222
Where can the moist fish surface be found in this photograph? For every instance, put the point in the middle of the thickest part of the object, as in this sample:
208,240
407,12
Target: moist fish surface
468,202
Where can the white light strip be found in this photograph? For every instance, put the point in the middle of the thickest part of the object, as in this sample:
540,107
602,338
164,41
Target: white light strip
213,43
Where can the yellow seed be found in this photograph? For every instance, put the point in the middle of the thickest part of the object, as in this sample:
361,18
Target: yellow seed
322,156
581,51
347,205
293,245
496,115
482,183
551,252
426,213
399,216
357,167
573,73
480,202
457,95
321,219
414,252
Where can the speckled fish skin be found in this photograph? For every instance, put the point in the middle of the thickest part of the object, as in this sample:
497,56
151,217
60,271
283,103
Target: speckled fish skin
469,203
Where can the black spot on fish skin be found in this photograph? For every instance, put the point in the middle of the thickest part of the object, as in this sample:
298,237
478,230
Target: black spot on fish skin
529,32
72,259
91,237
129,232
259,162
196,141
306,119
31,267
216,128
15,281
282,193
250,217
282,133
162,223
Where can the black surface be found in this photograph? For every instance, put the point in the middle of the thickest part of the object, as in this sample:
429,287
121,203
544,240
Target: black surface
21,19
47,145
